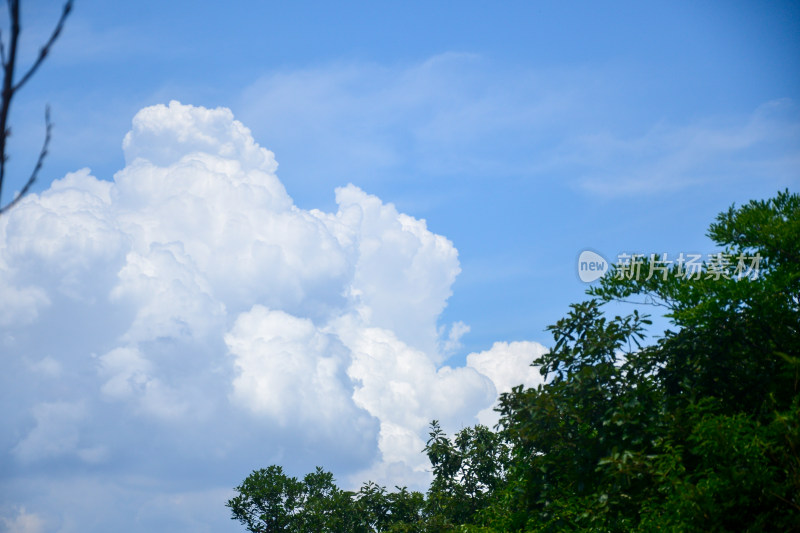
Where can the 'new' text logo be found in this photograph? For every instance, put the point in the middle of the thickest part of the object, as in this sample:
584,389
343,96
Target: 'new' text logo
591,266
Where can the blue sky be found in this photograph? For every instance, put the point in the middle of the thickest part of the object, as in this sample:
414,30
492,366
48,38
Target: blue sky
440,167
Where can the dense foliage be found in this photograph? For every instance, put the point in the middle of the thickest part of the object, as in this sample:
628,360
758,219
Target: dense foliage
698,431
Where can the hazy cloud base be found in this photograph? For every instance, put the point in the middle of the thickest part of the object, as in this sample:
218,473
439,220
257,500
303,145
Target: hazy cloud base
165,332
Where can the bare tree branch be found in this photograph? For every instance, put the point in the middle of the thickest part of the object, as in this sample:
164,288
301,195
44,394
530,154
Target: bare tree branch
10,88
2,50
46,48
39,163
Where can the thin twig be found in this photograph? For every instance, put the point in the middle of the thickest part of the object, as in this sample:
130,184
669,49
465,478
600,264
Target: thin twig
8,85
46,48
2,49
39,163
784,500
10,88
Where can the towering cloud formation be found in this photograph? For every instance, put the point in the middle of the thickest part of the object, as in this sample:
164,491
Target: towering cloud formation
189,306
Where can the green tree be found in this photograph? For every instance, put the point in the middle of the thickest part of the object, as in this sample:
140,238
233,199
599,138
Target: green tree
696,432
597,404
466,470
268,501
325,507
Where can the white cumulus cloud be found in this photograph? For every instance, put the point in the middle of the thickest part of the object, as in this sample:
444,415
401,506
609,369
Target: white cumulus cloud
289,369
507,364
193,314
